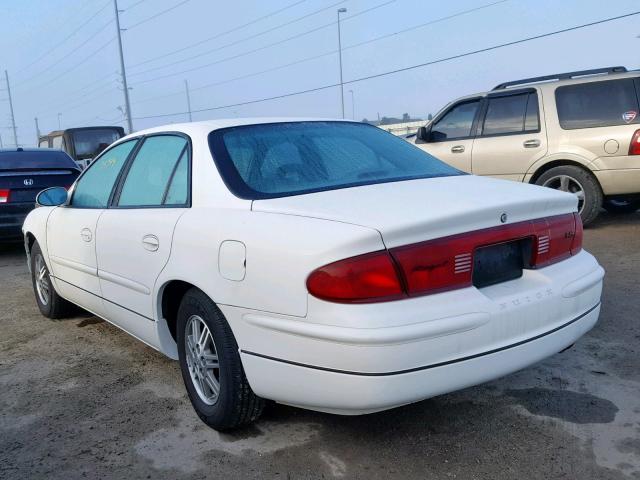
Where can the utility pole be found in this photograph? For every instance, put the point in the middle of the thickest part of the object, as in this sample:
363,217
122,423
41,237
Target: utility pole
341,10
127,104
13,119
59,123
353,105
186,88
37,131
1,145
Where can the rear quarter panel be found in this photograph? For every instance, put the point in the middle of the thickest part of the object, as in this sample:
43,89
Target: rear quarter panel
281,251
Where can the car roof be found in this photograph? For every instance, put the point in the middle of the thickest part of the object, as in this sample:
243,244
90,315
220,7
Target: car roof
207,126
556,83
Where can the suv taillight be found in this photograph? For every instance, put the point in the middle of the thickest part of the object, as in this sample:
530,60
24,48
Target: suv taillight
4,195
439,265
634,146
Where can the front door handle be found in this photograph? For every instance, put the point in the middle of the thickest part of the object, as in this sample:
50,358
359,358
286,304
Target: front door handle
457,149
534,143
150,242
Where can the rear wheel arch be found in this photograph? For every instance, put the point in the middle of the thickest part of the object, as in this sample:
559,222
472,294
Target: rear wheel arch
560,163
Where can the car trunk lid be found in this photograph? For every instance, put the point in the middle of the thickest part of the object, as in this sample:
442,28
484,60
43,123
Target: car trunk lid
417,210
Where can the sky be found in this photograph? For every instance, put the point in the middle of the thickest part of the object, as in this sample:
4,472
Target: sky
63,64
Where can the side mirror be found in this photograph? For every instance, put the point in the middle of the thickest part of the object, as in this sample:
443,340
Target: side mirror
52,197
423,135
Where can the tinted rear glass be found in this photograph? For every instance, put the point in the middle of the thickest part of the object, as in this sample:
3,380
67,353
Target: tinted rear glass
30,159
597,104
87,142
280,159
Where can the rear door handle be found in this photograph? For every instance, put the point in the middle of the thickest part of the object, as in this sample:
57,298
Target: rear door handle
457,149
534,143
150,242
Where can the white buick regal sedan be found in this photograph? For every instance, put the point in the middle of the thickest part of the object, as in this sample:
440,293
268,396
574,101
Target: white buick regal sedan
322,264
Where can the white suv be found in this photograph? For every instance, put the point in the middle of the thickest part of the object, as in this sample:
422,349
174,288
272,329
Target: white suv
578,132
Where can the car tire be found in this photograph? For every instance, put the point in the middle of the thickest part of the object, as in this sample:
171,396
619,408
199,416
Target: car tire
51,304
621,206
575,180
234,404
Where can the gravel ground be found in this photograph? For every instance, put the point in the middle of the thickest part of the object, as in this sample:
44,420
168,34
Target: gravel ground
81,399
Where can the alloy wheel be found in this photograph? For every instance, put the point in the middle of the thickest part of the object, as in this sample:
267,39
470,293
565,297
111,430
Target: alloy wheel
42,280
202,359
568,184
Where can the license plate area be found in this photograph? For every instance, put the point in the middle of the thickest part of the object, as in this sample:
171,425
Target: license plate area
500,262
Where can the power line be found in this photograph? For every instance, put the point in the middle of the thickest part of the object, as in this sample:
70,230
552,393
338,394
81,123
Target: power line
65,39
148,19
130,7
399,70
263,47
81,62
315,57
226,32
57,62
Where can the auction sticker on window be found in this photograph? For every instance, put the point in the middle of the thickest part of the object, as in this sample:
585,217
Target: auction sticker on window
629,116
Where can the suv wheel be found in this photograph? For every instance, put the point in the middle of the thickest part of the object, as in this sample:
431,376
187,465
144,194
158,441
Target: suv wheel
211,366
621,206
579,182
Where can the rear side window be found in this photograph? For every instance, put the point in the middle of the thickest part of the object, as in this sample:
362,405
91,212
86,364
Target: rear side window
93,189
152,171
597,104
456,123
511,114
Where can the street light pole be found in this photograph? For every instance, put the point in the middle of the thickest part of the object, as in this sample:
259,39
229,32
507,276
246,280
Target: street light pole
59,124
186,88
123,72
353,105
341,10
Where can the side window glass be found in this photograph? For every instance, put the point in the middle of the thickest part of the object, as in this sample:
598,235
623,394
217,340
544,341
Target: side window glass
57,142
94,187
179,188
151,170
456,123
532,117
597,104
505,115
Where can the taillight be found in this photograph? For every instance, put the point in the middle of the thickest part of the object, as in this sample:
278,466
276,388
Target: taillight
634,146
362,279
442,264
4,196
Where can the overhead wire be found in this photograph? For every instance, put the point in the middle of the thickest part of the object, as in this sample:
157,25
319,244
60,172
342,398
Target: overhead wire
399,70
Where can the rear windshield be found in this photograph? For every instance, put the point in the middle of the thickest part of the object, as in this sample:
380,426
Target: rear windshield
598,104
88,143
293,158
32,159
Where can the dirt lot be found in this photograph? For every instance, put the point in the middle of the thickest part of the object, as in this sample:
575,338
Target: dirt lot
81,399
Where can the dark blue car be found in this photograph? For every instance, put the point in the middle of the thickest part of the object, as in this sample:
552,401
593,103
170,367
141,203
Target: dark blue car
24,173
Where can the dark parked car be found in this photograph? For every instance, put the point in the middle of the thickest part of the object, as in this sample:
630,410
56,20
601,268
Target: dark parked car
24,173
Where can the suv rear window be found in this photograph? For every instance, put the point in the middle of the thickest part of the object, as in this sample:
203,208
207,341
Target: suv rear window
293,158
598,104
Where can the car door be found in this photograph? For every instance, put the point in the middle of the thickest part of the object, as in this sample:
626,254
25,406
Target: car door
451,134
510,136
71,229
134,235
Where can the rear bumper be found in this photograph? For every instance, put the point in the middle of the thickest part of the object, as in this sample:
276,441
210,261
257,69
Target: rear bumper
355,359
619,182
12,217
354,393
